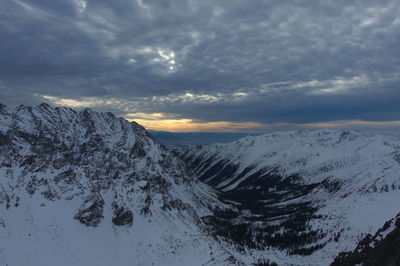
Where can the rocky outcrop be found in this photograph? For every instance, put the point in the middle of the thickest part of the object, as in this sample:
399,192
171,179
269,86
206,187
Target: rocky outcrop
380,249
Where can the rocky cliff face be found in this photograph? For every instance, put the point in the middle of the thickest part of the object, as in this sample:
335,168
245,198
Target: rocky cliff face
302,197
87,188
382,248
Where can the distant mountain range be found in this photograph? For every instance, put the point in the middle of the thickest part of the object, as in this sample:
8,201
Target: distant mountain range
89,188
176,140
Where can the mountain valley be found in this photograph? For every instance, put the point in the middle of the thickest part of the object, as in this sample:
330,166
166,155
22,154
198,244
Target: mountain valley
89,188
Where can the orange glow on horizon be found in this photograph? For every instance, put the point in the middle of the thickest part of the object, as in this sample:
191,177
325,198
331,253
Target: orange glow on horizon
167,122
161,122
188,125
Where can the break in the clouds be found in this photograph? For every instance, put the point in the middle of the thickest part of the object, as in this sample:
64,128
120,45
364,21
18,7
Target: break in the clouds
207,65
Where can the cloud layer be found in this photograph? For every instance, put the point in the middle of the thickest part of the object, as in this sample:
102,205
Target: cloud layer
232,62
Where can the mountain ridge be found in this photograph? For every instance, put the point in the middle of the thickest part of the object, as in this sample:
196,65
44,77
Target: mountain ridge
71,180
322,189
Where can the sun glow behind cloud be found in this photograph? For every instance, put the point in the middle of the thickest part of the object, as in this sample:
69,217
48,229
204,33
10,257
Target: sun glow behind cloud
164,122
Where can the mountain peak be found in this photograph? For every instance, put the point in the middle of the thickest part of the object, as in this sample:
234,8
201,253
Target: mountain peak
70,170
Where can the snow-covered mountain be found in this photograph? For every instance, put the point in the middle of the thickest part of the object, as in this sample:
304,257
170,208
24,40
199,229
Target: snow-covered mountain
87,188
302,196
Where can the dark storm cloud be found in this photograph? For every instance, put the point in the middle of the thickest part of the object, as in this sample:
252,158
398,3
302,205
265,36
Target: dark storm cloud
263,61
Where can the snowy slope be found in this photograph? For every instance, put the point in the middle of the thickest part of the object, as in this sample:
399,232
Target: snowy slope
311,193
87,188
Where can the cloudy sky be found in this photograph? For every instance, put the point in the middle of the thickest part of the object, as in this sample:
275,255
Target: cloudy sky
208,65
